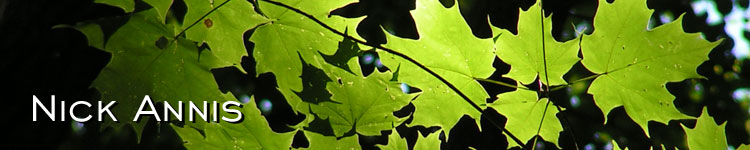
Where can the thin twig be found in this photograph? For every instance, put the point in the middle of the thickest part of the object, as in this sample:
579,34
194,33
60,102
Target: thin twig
423,67
497,124
501,83
201,18
567,122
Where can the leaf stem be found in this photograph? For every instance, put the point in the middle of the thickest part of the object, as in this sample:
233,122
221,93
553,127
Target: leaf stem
538,129
423,67
576,81
572,131
546,76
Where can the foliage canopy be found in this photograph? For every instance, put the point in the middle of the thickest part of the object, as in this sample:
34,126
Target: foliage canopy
314,58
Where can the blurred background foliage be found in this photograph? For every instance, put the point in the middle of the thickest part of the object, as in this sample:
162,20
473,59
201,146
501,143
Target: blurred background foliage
40,60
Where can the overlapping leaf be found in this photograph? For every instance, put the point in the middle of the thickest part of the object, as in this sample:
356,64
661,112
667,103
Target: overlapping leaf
125,5
430,142
636,62
223,28
173,71
395,142
322,142
363,104
333,92
526,56
252,133
744,147
318,74
161,6
446,46
706,134
524,111
280,43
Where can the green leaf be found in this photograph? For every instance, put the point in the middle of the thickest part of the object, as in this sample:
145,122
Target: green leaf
363,104
523,52
524,111
331,91
348,50
280,43
430,142
635,63
126,5
615,146
223,28
161,6
448,47
744,147
318,141
318,73
139,67
395,142
92,31
314,79
706,134
252,133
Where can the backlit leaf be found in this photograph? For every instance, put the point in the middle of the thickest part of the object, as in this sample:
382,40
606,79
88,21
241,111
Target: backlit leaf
448,47
636,62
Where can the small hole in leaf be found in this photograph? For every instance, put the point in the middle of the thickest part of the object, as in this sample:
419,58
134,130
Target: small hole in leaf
161,43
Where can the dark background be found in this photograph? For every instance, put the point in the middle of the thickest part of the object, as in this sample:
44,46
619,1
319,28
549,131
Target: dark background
39,60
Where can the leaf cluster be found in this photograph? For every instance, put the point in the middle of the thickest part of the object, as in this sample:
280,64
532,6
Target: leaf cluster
314,57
